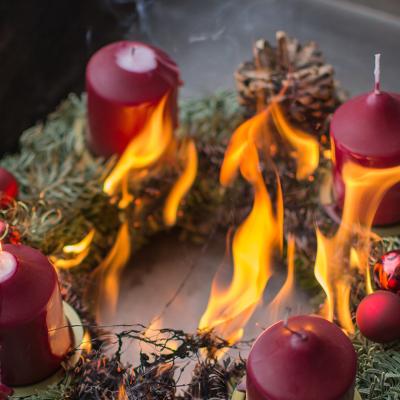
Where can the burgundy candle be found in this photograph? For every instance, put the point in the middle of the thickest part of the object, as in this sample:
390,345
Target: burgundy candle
34,337
308,358
125,81
366,130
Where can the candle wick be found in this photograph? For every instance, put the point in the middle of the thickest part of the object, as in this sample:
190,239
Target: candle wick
377,73
301,335
133,49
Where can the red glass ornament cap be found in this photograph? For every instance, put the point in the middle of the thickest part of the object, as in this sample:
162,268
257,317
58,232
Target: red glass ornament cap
284,366
107,76
369,125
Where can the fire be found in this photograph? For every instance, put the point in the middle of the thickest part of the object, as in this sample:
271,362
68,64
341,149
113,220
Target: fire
122,395
106,277
284,296
305,146
253,248
86,342
142,153
145,149
183,184
365,188
260,236
80,251
139,159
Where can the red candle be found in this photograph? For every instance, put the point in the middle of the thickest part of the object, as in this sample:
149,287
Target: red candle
125,81
34,334
365,130
8,187
308,358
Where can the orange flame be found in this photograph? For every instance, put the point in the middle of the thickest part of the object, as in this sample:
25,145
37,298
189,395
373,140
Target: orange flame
86,342
306,147
183,184
122,395
106,276
253,245
283,298
146,148
365,188
80,250
261,234
144,151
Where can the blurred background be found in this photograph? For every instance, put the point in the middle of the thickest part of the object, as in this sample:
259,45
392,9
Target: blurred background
44,45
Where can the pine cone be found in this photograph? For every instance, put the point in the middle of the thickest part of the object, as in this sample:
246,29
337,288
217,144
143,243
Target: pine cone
312,93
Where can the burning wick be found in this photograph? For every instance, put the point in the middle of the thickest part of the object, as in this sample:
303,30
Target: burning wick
377,73
301,335
8,265
137,59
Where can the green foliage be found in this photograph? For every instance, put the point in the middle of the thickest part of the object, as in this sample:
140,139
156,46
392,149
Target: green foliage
61,198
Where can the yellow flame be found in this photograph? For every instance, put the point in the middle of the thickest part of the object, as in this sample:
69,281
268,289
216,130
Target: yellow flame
153,144
283,298
126,197
365,188
80,246
306,146
122,395
80,249
106,277
146,148
86,342
253,245
182,185
261,234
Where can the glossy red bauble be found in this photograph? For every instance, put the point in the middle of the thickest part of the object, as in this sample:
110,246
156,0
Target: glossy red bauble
378,316
387,272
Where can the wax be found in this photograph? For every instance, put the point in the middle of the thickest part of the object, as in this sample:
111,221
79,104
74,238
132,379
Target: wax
365,130
34,334
125,81
8,187
307,359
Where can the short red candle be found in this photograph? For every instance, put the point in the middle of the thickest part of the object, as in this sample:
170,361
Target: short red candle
34,334
125,81
308,359
366,130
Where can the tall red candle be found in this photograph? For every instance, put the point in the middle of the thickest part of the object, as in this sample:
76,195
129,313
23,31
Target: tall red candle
308,358
125,81
366,130
34,334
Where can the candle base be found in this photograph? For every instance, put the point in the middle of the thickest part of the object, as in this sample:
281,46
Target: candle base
327,201
77,335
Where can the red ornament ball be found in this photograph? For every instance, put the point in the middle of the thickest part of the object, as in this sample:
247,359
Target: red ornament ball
8,187
387,272
378,316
